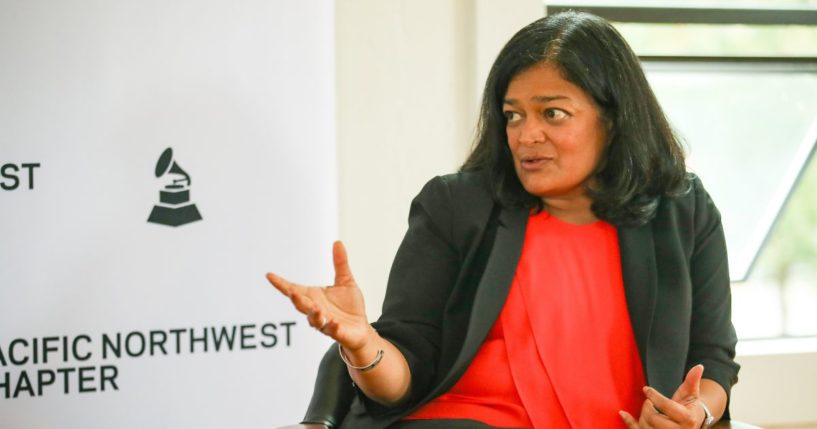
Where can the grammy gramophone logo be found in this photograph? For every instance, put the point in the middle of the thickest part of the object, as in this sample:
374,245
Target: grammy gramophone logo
174,208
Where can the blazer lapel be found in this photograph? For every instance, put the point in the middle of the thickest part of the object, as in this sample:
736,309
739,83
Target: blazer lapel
640,277
639,272
493,288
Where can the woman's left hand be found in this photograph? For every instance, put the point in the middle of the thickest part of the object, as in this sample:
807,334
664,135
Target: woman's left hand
681,411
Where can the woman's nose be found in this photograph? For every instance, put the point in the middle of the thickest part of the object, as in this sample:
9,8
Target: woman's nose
532,132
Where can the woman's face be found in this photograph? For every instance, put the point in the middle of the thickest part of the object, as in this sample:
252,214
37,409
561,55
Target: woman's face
554,130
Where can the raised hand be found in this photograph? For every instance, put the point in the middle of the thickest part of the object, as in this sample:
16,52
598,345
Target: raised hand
683,410
337,311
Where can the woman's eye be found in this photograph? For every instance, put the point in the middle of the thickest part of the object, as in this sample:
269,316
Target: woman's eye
511,116
555,114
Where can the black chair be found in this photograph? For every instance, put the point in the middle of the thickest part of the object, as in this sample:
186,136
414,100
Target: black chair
333,395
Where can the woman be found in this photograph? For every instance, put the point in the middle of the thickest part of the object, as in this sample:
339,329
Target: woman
570,263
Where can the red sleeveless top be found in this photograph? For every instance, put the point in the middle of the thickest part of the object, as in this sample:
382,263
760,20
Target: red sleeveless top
562,352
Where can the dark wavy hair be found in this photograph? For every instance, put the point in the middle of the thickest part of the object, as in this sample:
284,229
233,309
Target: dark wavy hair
643,159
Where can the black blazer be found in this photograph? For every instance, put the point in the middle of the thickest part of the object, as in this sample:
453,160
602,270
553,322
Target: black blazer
454,268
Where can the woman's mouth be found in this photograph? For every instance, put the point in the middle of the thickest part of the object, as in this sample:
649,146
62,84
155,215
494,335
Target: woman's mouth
534,163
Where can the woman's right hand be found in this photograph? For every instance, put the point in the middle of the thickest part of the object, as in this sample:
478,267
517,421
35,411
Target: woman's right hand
337,311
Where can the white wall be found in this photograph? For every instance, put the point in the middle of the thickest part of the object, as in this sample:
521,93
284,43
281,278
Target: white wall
404,111
409,75
778,383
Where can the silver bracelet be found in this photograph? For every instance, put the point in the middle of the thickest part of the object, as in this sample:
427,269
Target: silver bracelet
374,363
709,419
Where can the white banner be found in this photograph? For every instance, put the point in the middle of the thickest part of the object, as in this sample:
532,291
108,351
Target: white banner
156,160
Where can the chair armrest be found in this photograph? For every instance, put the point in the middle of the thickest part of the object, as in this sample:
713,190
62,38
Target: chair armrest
333,393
